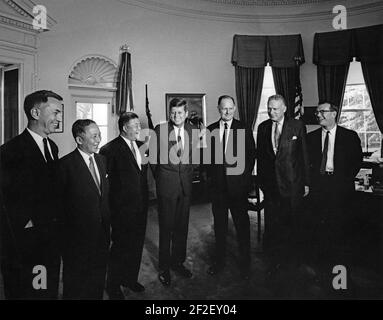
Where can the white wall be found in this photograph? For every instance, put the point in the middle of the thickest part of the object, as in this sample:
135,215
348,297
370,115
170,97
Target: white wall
171,53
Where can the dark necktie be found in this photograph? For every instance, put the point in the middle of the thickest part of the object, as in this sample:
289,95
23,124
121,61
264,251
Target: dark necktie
94,174
277,135
47,154
322,169
224,138
179,144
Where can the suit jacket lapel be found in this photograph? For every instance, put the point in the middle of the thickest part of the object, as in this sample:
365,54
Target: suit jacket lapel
171,136
101,171
268,128
233,137
87,173
30,144
283,137
54,150
338,136
125,148
318,142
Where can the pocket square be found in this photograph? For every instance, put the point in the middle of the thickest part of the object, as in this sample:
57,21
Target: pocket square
294,138
29,225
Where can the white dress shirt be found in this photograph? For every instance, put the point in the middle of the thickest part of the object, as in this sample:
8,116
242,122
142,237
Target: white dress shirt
132,143
87,161
180,131
330,148
222,128
39,141
280,126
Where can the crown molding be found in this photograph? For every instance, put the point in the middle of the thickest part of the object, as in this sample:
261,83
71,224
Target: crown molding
266,3
23,17
218,14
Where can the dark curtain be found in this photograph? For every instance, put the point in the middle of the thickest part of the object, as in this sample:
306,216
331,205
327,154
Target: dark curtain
248,83
332,83
11,104
250,55
333,52
369,51
284,82
124,94
373,76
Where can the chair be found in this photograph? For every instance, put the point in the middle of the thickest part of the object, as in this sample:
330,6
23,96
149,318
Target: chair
255,203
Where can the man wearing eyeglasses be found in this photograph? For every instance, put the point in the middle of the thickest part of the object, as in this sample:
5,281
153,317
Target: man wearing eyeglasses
335,157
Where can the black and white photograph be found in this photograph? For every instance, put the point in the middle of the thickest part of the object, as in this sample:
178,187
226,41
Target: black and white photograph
210,153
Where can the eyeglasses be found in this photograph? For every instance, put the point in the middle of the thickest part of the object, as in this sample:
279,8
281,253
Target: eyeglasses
322,112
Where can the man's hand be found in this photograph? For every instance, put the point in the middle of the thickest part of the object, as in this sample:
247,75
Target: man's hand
307,190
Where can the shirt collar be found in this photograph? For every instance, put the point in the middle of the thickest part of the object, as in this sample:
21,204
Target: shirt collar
280,122
332,131
35,136
176,128
222,123
85,155
128,142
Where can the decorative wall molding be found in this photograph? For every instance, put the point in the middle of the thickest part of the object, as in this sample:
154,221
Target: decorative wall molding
93,72
266,2
21,15
18,9
213,10
16,23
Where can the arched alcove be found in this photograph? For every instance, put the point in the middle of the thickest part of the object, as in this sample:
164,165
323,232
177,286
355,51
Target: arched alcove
93,71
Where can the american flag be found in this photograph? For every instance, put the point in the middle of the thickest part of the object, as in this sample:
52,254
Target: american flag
298,103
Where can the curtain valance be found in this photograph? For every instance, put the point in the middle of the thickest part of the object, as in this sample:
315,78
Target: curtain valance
339,47
256,51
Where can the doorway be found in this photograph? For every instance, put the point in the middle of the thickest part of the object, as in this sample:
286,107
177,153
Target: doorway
9,102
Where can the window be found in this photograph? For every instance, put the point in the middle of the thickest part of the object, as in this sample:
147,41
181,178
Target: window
357,113
267,91
98,112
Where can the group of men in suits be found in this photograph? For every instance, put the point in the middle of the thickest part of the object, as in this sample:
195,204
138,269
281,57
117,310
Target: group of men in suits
53,208
68,207
320,167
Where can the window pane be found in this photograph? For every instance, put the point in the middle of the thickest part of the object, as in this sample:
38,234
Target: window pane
104,135
100,113
371,122
362,137
267,91
373,140
353,120
357,113
84,110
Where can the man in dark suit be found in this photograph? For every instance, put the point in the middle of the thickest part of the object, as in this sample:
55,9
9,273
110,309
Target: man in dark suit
86,229
129,205
229,190
174,175
283,172
30,215
335,158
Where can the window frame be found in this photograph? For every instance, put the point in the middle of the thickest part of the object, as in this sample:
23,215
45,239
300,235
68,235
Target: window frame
111,127
363,109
